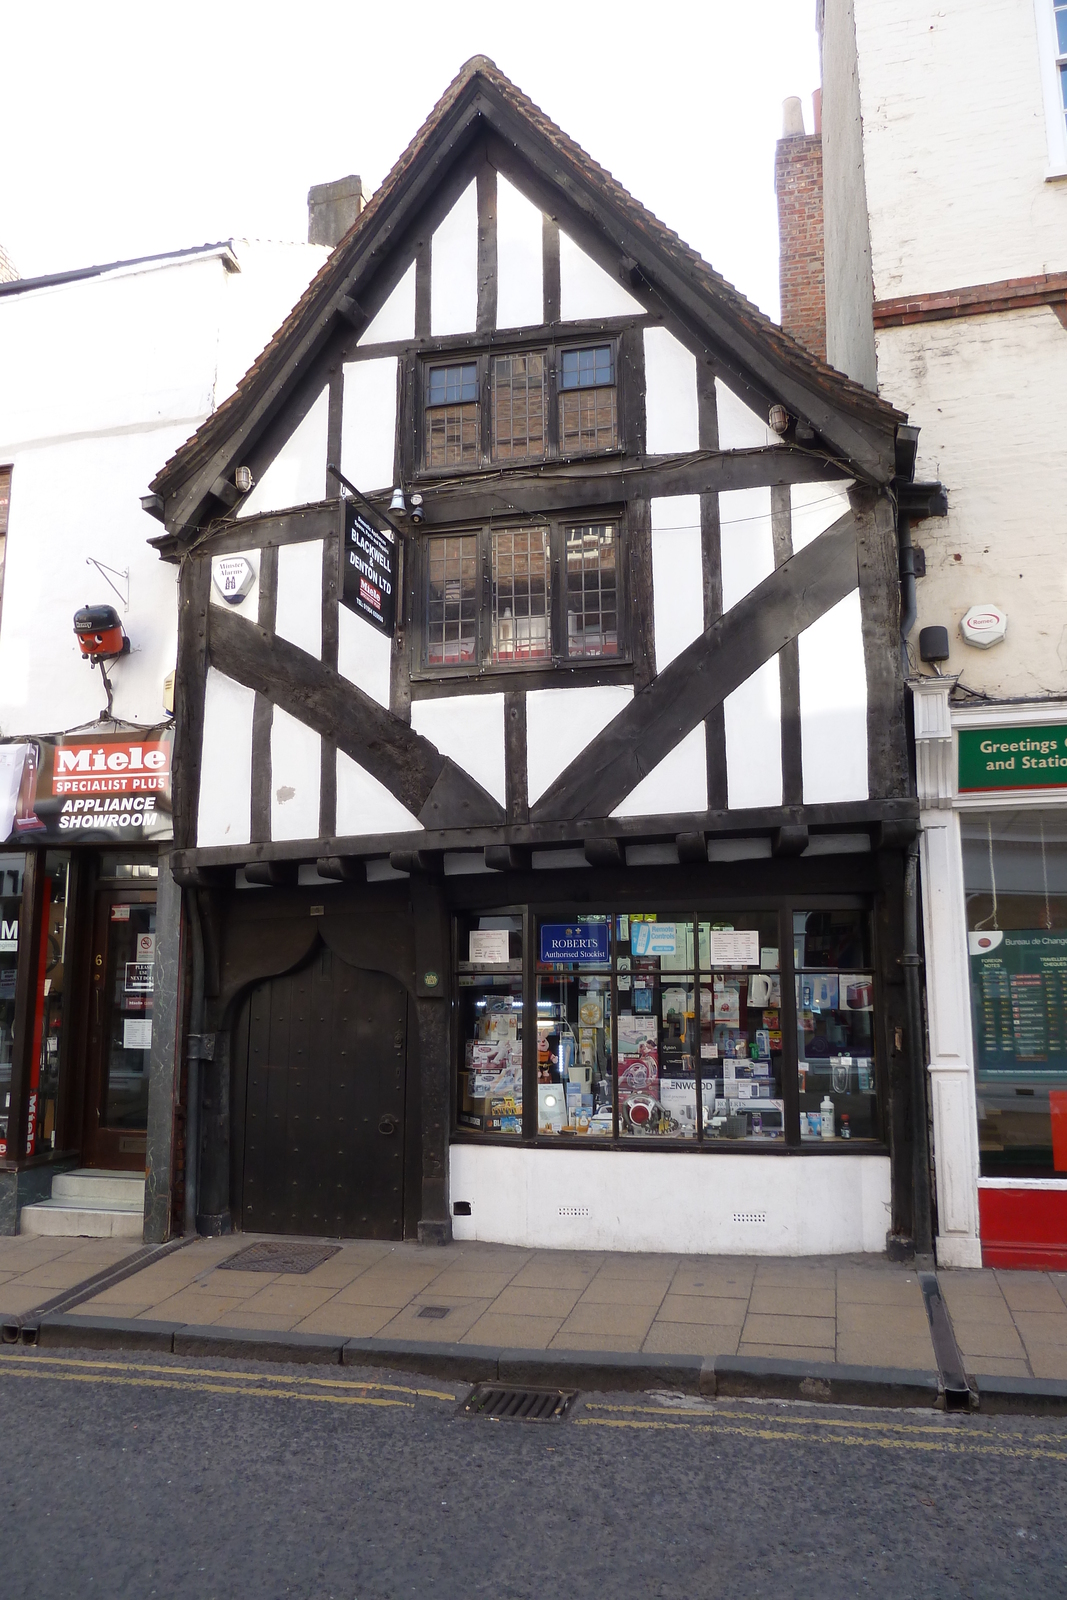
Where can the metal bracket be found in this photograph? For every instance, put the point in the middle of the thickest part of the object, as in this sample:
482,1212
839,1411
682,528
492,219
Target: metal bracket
200,1047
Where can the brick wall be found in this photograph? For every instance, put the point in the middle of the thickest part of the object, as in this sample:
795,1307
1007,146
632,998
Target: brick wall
798,183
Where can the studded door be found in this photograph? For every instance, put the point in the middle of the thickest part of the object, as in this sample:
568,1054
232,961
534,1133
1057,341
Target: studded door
324,1115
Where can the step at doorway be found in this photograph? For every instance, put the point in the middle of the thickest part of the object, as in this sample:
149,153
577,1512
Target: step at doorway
89,1203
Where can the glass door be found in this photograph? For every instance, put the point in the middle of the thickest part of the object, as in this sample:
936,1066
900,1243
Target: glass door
120,1028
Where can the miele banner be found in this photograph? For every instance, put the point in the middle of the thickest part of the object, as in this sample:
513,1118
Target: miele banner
99,789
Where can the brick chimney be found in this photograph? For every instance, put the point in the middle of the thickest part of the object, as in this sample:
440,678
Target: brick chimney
332,209
798,184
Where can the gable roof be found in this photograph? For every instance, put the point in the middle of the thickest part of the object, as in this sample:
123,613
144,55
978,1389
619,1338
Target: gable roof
859,427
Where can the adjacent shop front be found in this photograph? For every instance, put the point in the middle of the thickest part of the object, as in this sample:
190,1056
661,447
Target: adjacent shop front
995,895
81,820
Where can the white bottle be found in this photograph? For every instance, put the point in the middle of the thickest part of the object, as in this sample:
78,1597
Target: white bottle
827,1111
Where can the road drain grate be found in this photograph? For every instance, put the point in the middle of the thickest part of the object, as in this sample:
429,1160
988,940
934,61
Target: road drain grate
270,1257
517,1405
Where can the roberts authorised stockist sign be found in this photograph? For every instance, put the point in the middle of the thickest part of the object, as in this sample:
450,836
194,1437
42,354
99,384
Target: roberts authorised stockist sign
1013,758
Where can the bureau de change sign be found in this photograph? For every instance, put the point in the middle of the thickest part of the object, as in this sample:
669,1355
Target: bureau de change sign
371,570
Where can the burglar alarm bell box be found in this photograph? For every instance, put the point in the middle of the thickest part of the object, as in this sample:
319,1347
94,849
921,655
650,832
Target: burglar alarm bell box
100,633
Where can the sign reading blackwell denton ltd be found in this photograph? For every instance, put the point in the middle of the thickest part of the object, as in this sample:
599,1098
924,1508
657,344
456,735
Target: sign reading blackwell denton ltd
94,789
1013,758
371,570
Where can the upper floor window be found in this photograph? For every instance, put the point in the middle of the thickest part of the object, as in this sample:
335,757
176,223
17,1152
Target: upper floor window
555,402
1060,9
520,596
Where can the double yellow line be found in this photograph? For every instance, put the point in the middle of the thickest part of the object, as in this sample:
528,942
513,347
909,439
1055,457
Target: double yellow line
144,1375
946,1438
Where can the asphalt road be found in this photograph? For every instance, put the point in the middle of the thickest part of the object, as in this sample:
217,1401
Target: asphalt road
127,1476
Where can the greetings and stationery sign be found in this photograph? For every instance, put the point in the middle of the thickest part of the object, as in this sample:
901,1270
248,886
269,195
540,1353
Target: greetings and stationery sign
371,570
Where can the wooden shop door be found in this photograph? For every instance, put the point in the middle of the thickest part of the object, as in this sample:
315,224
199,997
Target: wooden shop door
324,1103
122,957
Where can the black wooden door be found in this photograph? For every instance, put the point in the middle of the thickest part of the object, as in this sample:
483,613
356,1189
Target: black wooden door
324,1114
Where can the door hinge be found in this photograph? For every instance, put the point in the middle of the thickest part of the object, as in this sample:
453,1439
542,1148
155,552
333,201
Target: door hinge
200,1047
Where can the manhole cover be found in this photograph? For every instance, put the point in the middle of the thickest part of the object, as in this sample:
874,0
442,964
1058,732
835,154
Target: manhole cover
519,1405
294,1257
434,1311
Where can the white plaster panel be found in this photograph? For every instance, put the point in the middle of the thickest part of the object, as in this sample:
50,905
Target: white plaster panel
366,806
670,394
954,1116
833,705
753,716
745,542
586,290
677,783
559,725
655,1201
519,258
395,319
814,507
225,810
677,575
298,617
454,268
248,607
368,422
469,729
295,772
739,426
297,475
364,655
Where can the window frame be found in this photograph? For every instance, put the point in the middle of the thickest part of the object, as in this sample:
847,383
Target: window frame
552,349
1051,60
691,907
557,660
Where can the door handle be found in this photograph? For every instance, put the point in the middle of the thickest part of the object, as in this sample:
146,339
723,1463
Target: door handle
387,1125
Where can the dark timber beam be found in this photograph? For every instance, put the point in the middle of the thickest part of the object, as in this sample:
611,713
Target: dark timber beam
728,652
432,788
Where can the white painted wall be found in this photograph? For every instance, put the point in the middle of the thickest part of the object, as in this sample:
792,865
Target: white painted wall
677,783
753,717
677,575
295,773
366,806
586,290
396,318
814,508
225,810
368,423
363,655
297,475
559,725
519,258
650,1200
833,705
745,542
454,268
671,422
298,614
739,426
468,728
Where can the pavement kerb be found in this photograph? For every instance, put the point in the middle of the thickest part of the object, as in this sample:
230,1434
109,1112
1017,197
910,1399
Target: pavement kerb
721,1377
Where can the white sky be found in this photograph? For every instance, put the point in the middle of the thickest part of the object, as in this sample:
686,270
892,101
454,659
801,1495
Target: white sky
136,126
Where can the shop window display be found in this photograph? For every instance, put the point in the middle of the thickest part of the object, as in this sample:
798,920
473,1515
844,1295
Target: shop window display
574,1027
740,1027
490,1005
49,1010
834,992
12,867
1015,880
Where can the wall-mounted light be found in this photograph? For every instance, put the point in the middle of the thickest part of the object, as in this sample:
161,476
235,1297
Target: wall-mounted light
778,419
398,504
243,479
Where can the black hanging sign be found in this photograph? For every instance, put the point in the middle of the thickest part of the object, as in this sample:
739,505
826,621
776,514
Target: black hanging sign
371,570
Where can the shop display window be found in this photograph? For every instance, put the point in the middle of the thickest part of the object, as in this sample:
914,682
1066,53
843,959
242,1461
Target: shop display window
741,1027
129,1000
834,996
574,1027
12,868
50,990
1015,881
490,1006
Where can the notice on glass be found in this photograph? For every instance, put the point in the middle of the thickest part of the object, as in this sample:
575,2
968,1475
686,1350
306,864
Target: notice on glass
1019,995
136,1033
488,946
737,948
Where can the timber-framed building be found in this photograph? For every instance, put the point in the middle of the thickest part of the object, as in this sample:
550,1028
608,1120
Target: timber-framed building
541,783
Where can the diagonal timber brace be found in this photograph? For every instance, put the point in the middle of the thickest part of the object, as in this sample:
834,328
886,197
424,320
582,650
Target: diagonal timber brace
439,793
728,652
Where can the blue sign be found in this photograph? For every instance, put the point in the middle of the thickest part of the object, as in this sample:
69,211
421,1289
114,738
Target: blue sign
583,943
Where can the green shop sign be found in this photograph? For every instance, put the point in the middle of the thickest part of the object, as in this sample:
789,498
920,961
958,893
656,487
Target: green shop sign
1013,758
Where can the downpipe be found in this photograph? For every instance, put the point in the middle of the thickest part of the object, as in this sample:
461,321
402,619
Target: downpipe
192,1057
